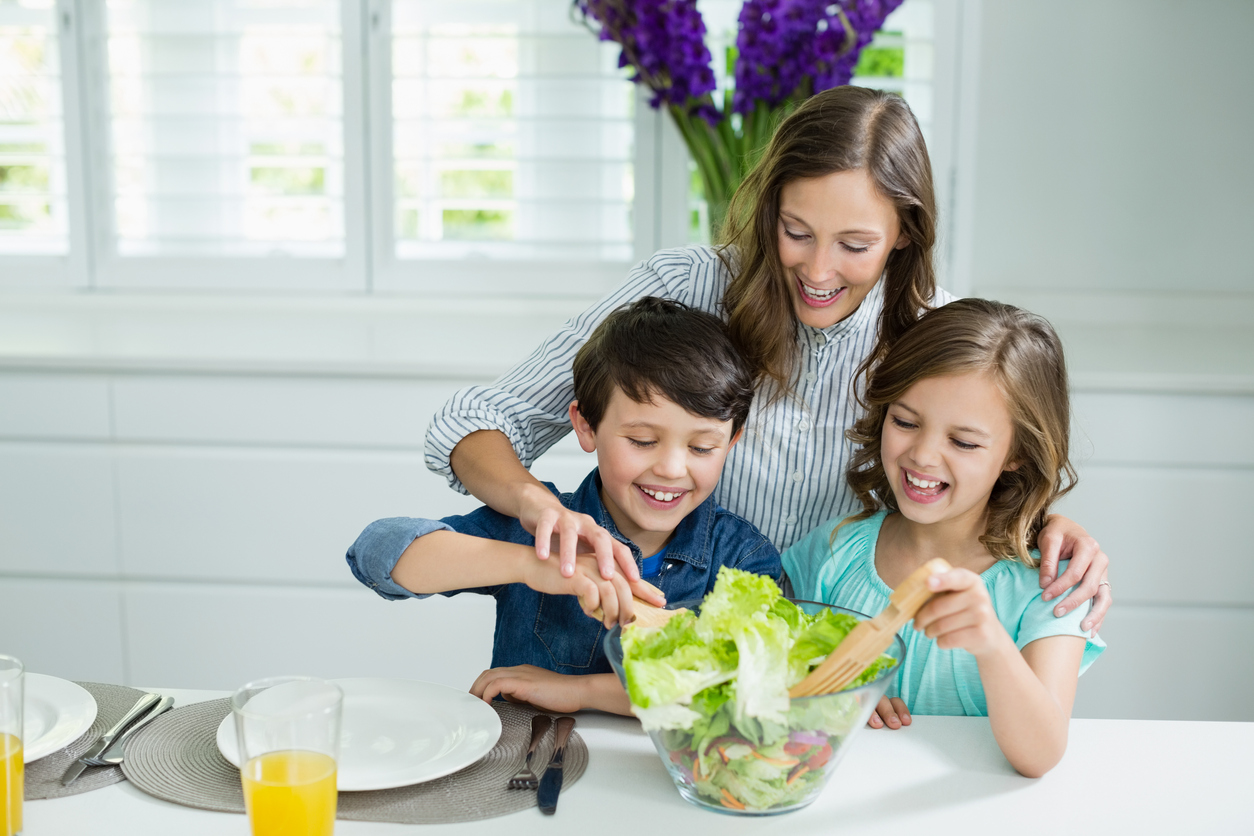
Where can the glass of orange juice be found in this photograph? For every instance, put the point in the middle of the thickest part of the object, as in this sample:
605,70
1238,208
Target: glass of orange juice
288,730
11,768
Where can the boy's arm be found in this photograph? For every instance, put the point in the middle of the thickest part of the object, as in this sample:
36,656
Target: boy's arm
562,693
443,561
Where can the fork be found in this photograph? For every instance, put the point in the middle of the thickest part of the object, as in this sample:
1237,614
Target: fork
525,779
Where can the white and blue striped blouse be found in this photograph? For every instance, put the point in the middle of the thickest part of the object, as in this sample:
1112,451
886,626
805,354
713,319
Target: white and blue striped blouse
786,475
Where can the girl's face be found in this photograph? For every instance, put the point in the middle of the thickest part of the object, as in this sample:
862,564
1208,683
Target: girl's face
835,235
944,444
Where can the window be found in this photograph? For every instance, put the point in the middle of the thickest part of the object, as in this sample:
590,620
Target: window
441,146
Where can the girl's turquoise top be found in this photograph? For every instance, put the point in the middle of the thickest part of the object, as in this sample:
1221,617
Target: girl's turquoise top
932,680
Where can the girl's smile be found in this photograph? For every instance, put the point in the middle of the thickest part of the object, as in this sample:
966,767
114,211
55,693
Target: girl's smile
920,488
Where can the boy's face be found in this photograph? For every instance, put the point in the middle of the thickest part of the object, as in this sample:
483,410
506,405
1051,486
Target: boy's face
657,461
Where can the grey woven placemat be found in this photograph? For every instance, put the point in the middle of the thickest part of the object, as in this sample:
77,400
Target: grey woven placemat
176,758
43,777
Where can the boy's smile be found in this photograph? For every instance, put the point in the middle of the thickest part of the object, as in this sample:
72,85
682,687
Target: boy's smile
657,461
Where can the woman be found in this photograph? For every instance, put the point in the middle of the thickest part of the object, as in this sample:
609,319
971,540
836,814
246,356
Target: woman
826,260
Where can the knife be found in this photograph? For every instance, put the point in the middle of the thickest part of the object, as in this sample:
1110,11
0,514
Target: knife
551,782
113,755
146,702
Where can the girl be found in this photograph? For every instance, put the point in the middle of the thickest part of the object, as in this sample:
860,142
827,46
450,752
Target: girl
827,259
963,450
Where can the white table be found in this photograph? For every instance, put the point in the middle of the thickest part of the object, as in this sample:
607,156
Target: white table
941,775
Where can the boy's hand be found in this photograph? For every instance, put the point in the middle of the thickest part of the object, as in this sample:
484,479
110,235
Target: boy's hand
536,686
961,615
613,596
891,712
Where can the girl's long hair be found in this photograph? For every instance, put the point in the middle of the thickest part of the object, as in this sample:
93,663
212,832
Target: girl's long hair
1023,355
840,129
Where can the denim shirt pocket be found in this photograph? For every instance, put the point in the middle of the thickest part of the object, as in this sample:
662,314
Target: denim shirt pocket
570,637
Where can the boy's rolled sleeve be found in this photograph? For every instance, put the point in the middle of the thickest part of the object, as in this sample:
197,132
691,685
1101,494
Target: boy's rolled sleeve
374,554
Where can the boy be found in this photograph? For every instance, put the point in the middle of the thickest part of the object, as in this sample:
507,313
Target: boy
661,397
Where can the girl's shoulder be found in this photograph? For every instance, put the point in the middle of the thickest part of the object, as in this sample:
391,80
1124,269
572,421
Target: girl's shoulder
830,551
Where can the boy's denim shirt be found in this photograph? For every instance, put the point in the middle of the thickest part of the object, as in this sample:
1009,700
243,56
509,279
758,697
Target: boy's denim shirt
551,631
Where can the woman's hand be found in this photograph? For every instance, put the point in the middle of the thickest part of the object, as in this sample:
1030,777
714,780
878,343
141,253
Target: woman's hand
1061,539
612,596
962,616
556,526
891,712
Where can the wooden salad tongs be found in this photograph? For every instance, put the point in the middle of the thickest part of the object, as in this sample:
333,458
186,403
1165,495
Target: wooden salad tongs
870,638
647,615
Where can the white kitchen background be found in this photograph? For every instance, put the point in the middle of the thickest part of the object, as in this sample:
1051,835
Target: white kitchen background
247,248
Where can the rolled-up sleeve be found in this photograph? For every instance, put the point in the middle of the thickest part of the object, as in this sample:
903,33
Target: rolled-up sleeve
529,402
374,554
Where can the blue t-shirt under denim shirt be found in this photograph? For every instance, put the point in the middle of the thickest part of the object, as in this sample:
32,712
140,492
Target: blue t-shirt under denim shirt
551,631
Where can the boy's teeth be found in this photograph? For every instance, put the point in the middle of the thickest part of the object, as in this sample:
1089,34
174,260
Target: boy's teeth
922,483
664,496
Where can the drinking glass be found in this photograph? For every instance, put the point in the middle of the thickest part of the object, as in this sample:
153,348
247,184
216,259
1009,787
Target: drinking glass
288,730
11,768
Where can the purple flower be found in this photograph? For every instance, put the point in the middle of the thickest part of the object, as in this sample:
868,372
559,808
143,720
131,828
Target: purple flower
663,41
799,47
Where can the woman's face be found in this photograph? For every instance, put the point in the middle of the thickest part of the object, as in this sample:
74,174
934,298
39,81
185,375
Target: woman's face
835,235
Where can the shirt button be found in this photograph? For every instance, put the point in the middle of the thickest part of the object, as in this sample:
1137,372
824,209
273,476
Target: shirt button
792,519
802,426
811,377
798,476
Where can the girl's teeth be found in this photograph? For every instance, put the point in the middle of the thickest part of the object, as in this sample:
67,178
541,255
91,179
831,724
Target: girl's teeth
922,483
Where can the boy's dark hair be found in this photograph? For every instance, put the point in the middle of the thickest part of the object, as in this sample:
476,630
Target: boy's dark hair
660,347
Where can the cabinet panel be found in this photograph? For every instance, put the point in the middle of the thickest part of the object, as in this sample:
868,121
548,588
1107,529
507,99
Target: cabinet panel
70,629
284,411
218,636
1190,430
56,509
1172,533
271,515
53,406
1137,677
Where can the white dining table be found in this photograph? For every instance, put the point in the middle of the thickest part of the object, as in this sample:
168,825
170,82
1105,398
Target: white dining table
941,775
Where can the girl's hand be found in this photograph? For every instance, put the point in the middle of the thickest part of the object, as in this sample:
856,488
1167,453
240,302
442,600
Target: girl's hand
527,683
891,712
1061,539
557,527
961,615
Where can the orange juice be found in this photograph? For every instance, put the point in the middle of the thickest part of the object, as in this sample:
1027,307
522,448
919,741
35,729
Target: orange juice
11,771
290,793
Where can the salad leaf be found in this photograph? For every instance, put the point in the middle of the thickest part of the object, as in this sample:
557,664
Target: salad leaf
714,689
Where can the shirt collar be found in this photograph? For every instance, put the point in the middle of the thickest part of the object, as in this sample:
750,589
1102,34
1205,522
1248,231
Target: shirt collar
690,543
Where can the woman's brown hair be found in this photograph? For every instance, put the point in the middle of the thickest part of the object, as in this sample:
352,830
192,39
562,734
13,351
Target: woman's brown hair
1022,354
840,129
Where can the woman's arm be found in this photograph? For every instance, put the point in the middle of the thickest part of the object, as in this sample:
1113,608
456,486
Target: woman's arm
1063,539
527,406
1029,694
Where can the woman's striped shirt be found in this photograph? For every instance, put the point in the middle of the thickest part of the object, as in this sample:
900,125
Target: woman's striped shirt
786,475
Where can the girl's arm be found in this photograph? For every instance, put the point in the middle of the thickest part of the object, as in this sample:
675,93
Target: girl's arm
1063,539
444,561
1029,694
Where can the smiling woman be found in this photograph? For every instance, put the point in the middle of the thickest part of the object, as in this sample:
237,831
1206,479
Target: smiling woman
827,261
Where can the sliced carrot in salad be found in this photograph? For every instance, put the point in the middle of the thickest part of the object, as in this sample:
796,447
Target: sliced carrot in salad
729,800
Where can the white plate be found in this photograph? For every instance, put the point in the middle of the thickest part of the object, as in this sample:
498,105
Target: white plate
398,732
55,714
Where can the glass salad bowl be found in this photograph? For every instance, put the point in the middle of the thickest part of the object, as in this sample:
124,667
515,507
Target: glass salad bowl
751,767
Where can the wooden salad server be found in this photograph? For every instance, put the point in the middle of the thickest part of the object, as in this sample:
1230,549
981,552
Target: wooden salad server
647,615
870,638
